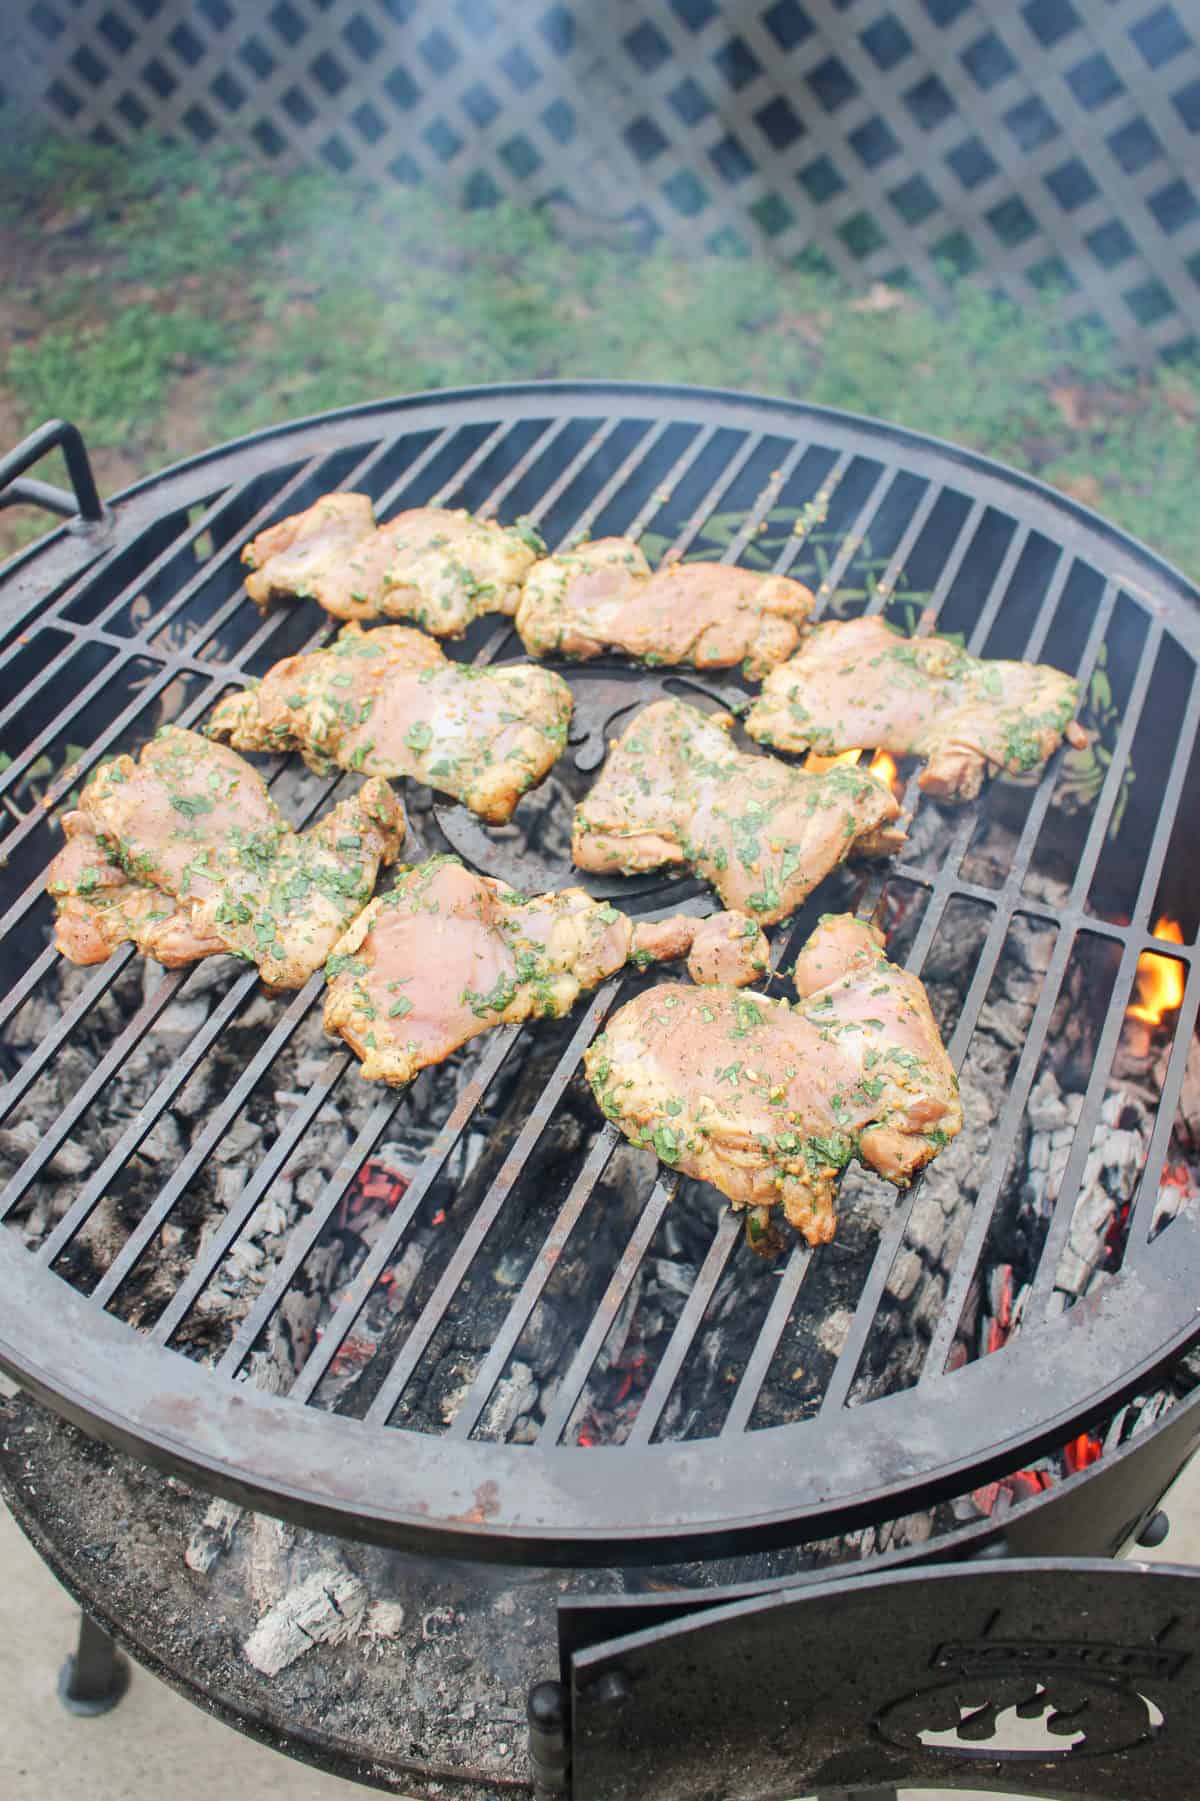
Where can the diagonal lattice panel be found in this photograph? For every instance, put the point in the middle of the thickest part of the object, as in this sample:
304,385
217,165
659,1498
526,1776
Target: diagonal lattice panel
1031,143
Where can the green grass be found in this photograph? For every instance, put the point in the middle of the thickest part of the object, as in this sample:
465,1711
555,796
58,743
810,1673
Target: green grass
115,377
291,294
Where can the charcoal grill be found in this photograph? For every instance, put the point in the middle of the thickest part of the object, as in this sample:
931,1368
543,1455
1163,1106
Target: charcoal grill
136,615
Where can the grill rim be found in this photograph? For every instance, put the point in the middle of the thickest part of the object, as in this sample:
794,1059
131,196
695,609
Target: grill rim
195,1430
661,394
466,1517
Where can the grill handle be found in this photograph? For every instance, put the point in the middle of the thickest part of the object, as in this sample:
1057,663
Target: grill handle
84,508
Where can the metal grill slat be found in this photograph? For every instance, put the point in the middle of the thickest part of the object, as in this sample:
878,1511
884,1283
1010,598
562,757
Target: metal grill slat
305,1234
726,1236
354,1297
570,1388
1141,1212
1008,897
870,1295
20,764
181,1069
190,534
599,438
894,567
532,1288
99,748
226,560
787,1289
1110,1033
707,505
941,893
773,488
949,571
662,495
1085,1129
387,504
554,430
852,542
73,1110
623,474
239,1212
230,555
20,1084
1007,903
204,1144
491,441
21,989
826,490
489,1208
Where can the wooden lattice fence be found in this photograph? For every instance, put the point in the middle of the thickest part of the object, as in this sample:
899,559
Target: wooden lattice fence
1032,141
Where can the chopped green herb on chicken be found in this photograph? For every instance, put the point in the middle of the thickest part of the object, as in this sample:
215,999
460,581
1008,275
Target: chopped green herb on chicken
770,1102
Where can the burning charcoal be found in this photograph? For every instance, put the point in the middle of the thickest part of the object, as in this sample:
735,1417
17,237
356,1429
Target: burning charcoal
310,1070
1085,1241
834,1330
928,1309
70,1159
260,1011
274,1213
236,1143
1046,1110
1007,1021
198,1093
229,1184
904,1275
211,973
676,1278
515,1395
245,1259
926,1229
404,1276
178,1024
163,1143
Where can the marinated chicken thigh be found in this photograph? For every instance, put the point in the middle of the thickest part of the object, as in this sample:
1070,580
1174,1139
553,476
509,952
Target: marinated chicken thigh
857,683
389,703
100,908
449,954
769,1102
440,567
185,853
603,597
675,789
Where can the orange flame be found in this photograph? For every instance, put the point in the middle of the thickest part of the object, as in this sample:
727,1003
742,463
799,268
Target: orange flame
1159,984
881,764
884,766
819,765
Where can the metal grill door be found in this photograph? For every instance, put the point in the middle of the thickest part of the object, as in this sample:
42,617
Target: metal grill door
1037,1677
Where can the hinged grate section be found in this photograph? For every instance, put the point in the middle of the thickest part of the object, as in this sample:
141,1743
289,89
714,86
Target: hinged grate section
1034,144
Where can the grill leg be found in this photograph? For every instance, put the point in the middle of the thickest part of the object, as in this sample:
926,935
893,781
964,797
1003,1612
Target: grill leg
95,1676
546,1709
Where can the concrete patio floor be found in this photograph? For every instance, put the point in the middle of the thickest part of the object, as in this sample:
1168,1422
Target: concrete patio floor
157,1744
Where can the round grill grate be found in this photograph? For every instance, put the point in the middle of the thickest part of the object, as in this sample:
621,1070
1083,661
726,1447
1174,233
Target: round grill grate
736,1403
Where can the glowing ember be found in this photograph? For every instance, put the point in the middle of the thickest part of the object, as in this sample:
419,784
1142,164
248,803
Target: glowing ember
1159,984
1082,1452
